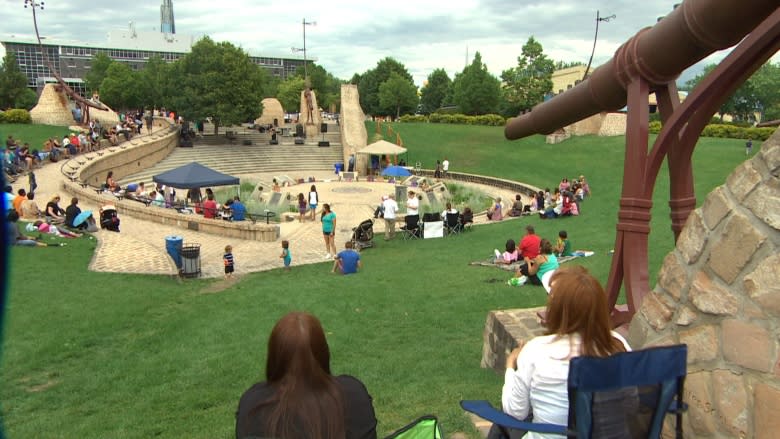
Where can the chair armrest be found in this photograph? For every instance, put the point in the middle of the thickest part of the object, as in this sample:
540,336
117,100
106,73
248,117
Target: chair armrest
484,410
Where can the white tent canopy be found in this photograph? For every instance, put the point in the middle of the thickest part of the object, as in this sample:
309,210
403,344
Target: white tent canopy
383,147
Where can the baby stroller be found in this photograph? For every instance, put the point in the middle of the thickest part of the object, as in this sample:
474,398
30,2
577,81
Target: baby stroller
109,219
363,235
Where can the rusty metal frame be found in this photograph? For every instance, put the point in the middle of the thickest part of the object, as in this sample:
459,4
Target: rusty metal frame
683,124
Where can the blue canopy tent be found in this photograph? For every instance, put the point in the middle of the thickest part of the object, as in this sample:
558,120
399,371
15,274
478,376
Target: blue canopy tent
195,175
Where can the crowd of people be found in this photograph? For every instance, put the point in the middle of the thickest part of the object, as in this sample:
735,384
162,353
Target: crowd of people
564,200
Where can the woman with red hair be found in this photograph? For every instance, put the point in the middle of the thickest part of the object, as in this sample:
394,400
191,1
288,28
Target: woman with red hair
300,398
535,382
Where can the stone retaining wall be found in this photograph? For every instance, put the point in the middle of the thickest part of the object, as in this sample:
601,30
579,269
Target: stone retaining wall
719,293
514,186
142,152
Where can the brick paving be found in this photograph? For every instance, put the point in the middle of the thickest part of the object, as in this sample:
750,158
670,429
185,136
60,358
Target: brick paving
140,246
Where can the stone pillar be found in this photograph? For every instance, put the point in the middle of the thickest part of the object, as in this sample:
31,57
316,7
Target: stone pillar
719,293
310,126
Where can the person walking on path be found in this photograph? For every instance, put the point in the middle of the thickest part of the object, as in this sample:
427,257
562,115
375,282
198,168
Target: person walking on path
390,209
329,230
286,255
313,200
227,260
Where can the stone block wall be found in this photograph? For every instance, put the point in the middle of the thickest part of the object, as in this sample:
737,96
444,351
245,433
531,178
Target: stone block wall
719,293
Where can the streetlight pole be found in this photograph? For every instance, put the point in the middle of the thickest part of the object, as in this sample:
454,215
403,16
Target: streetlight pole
595,37
305,59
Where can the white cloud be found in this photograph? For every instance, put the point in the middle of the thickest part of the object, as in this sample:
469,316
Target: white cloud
351,36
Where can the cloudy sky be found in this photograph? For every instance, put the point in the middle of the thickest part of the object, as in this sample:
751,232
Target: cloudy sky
351,36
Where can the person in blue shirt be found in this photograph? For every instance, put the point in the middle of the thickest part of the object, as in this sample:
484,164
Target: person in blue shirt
347,261
238,209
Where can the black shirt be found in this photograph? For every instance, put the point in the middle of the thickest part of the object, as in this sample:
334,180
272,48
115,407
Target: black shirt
71,212
359,422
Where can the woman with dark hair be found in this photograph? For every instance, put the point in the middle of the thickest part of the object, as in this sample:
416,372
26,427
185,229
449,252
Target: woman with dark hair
111,183
300,398
535,381
328,219
534,269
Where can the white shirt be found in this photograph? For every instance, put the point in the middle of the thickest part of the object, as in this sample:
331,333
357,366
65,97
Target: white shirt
391,207
540,381
412,204
313,198
445,165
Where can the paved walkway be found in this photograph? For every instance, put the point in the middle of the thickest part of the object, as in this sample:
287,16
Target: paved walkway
140,246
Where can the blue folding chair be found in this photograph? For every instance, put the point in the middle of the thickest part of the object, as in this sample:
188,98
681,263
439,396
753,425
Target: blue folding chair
626,395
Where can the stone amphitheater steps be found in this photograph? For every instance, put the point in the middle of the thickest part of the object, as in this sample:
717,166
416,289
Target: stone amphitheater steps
293,160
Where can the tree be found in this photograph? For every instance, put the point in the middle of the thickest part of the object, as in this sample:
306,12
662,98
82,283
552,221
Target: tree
153,81
98,69
372,79
435,90
120,88
27,99
289,93
13,83
397,93
475,90
527,84
560,65
220,81
759,94
766,87
327,86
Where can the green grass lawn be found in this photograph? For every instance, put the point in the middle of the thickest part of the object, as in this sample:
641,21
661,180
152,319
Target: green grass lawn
95,355
35,135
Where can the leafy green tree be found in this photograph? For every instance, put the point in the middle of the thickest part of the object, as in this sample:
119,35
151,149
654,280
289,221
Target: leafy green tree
220,81
766,87
121,88
372,79
98,69
475,90
397,94
759,94
289,93
526,84
325,85
434,91
153,82
27,100
13,82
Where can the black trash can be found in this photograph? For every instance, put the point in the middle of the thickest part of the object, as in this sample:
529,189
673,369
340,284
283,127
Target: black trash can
190,260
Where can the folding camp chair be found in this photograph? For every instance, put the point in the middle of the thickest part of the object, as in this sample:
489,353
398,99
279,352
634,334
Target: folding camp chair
626,395
452,223
424,427
411,228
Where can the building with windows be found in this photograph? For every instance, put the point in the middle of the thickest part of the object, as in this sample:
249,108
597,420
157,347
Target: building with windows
73,59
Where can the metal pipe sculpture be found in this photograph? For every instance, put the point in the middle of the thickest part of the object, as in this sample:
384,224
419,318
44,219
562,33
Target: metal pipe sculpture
85,104
649,62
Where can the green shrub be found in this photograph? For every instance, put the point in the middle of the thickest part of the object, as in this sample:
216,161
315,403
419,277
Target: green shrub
725,131
2,117
16,116
413,118
462,119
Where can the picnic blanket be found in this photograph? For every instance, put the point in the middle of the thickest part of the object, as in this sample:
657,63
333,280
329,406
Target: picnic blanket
490,262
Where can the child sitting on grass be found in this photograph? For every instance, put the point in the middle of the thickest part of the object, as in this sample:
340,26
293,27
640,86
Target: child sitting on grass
563,246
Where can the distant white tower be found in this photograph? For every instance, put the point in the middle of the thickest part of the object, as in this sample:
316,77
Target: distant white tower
167,26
